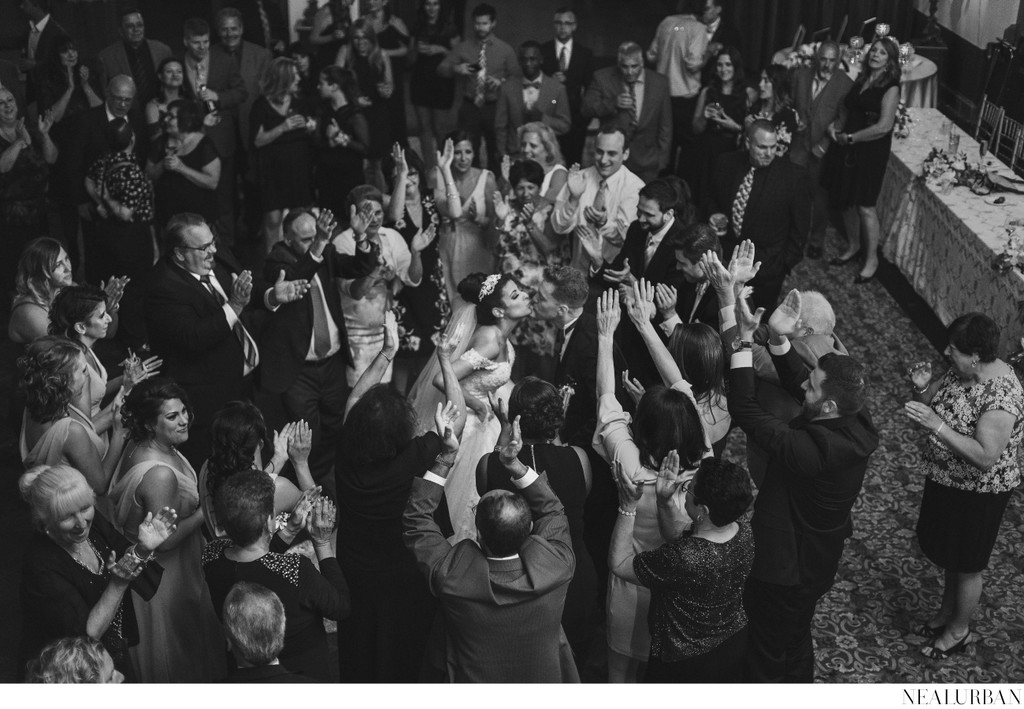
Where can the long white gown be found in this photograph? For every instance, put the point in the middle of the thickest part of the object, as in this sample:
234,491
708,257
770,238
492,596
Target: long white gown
478,438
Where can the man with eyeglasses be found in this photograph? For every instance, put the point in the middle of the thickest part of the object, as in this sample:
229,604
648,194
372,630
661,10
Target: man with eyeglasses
196,302
134,56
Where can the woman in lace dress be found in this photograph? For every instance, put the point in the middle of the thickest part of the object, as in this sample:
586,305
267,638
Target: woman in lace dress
483,369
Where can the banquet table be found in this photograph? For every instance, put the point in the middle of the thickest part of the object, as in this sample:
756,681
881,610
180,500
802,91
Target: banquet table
944,241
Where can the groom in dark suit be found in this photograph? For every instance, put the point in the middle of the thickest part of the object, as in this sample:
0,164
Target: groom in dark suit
561,297
532,97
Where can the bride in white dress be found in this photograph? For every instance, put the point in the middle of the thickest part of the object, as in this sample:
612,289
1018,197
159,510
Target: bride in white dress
495,305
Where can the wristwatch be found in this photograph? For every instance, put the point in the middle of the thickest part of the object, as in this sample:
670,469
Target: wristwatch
738,345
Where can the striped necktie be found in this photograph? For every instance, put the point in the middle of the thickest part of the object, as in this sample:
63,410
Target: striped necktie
249,352
265,23
739,205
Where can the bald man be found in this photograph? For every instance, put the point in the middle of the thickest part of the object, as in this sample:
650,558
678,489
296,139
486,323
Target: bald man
502,597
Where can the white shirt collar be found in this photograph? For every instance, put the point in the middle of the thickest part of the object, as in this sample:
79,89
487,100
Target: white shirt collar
560,45
110,116
41,25
655,238
571,322
502,558
713,27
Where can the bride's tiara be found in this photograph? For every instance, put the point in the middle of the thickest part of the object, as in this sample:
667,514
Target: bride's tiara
488,286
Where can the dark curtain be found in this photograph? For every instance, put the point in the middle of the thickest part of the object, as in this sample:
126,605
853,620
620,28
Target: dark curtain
767,26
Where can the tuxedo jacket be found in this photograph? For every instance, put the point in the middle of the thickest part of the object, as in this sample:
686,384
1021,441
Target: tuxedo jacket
707,309
778,214
189,331
224,78
814,474
577,76
577,368
286,337
503,618
510,113
113,60
816,112
651,139
254,60
662,269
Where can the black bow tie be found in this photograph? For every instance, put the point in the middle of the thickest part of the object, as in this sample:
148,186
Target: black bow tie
534,84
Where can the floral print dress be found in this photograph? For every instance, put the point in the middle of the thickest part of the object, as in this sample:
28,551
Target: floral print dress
519,256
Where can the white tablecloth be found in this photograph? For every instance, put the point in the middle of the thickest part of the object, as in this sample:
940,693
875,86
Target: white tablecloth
945,243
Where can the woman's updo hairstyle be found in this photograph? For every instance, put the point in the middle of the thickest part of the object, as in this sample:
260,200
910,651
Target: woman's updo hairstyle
238,431
724,488
47,371
487,292
540,405
142,406
529,170
72,305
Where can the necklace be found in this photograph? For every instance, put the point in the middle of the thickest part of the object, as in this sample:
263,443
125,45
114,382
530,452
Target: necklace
81,562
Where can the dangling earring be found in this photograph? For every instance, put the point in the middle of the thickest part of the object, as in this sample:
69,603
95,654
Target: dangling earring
974,363
700,518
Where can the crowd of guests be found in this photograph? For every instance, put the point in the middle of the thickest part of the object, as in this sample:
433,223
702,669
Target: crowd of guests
497,374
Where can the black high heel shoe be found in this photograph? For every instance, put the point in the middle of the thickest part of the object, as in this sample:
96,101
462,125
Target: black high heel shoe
931,631
840,261
934,653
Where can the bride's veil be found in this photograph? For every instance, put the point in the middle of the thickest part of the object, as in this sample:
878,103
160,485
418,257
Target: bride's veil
424,396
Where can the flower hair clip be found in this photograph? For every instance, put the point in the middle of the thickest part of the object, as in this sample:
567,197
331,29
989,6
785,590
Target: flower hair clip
488,286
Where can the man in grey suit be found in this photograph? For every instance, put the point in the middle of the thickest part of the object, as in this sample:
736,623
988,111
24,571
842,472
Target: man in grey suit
533,97
502,600
636,101
818,92
134,56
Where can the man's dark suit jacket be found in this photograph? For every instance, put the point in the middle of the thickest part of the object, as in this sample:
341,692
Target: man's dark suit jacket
252,26
651,140
577,76
188,330
252,60
661,269
816,112
113,60
267,674
225,79
503,618
778,214
815,472
45,49
707,308
286,336
510,113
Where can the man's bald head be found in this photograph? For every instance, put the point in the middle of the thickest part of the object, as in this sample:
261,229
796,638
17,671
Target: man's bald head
504,522
120,95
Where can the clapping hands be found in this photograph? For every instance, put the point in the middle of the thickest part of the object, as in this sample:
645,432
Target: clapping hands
155,529
784,321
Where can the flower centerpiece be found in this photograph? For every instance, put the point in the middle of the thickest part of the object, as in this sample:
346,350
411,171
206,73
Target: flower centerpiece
802,55
901,128
943,171
1012,255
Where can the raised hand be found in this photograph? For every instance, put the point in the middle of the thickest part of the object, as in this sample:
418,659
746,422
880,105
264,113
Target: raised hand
670,479
137,370
633,387
576,181
629,492
326,223
746,321
665,298
300,443
591,242
286,291
608,313
321,521
390,334
506,167
155,529
742,266
783,322
499,406
444,423
501,206
401,166
241,290
45,122
114,289
281,440
508,453
640,306
719,277
445,156
359,221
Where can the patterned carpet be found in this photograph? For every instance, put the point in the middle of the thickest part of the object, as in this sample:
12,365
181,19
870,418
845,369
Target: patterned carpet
885,588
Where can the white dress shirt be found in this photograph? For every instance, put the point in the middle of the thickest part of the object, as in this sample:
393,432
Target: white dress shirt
621,199
568,53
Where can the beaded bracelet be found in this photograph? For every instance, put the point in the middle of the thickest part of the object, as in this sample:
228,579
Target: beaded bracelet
624,513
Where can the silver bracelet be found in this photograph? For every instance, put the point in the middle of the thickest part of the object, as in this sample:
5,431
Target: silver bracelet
624,513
